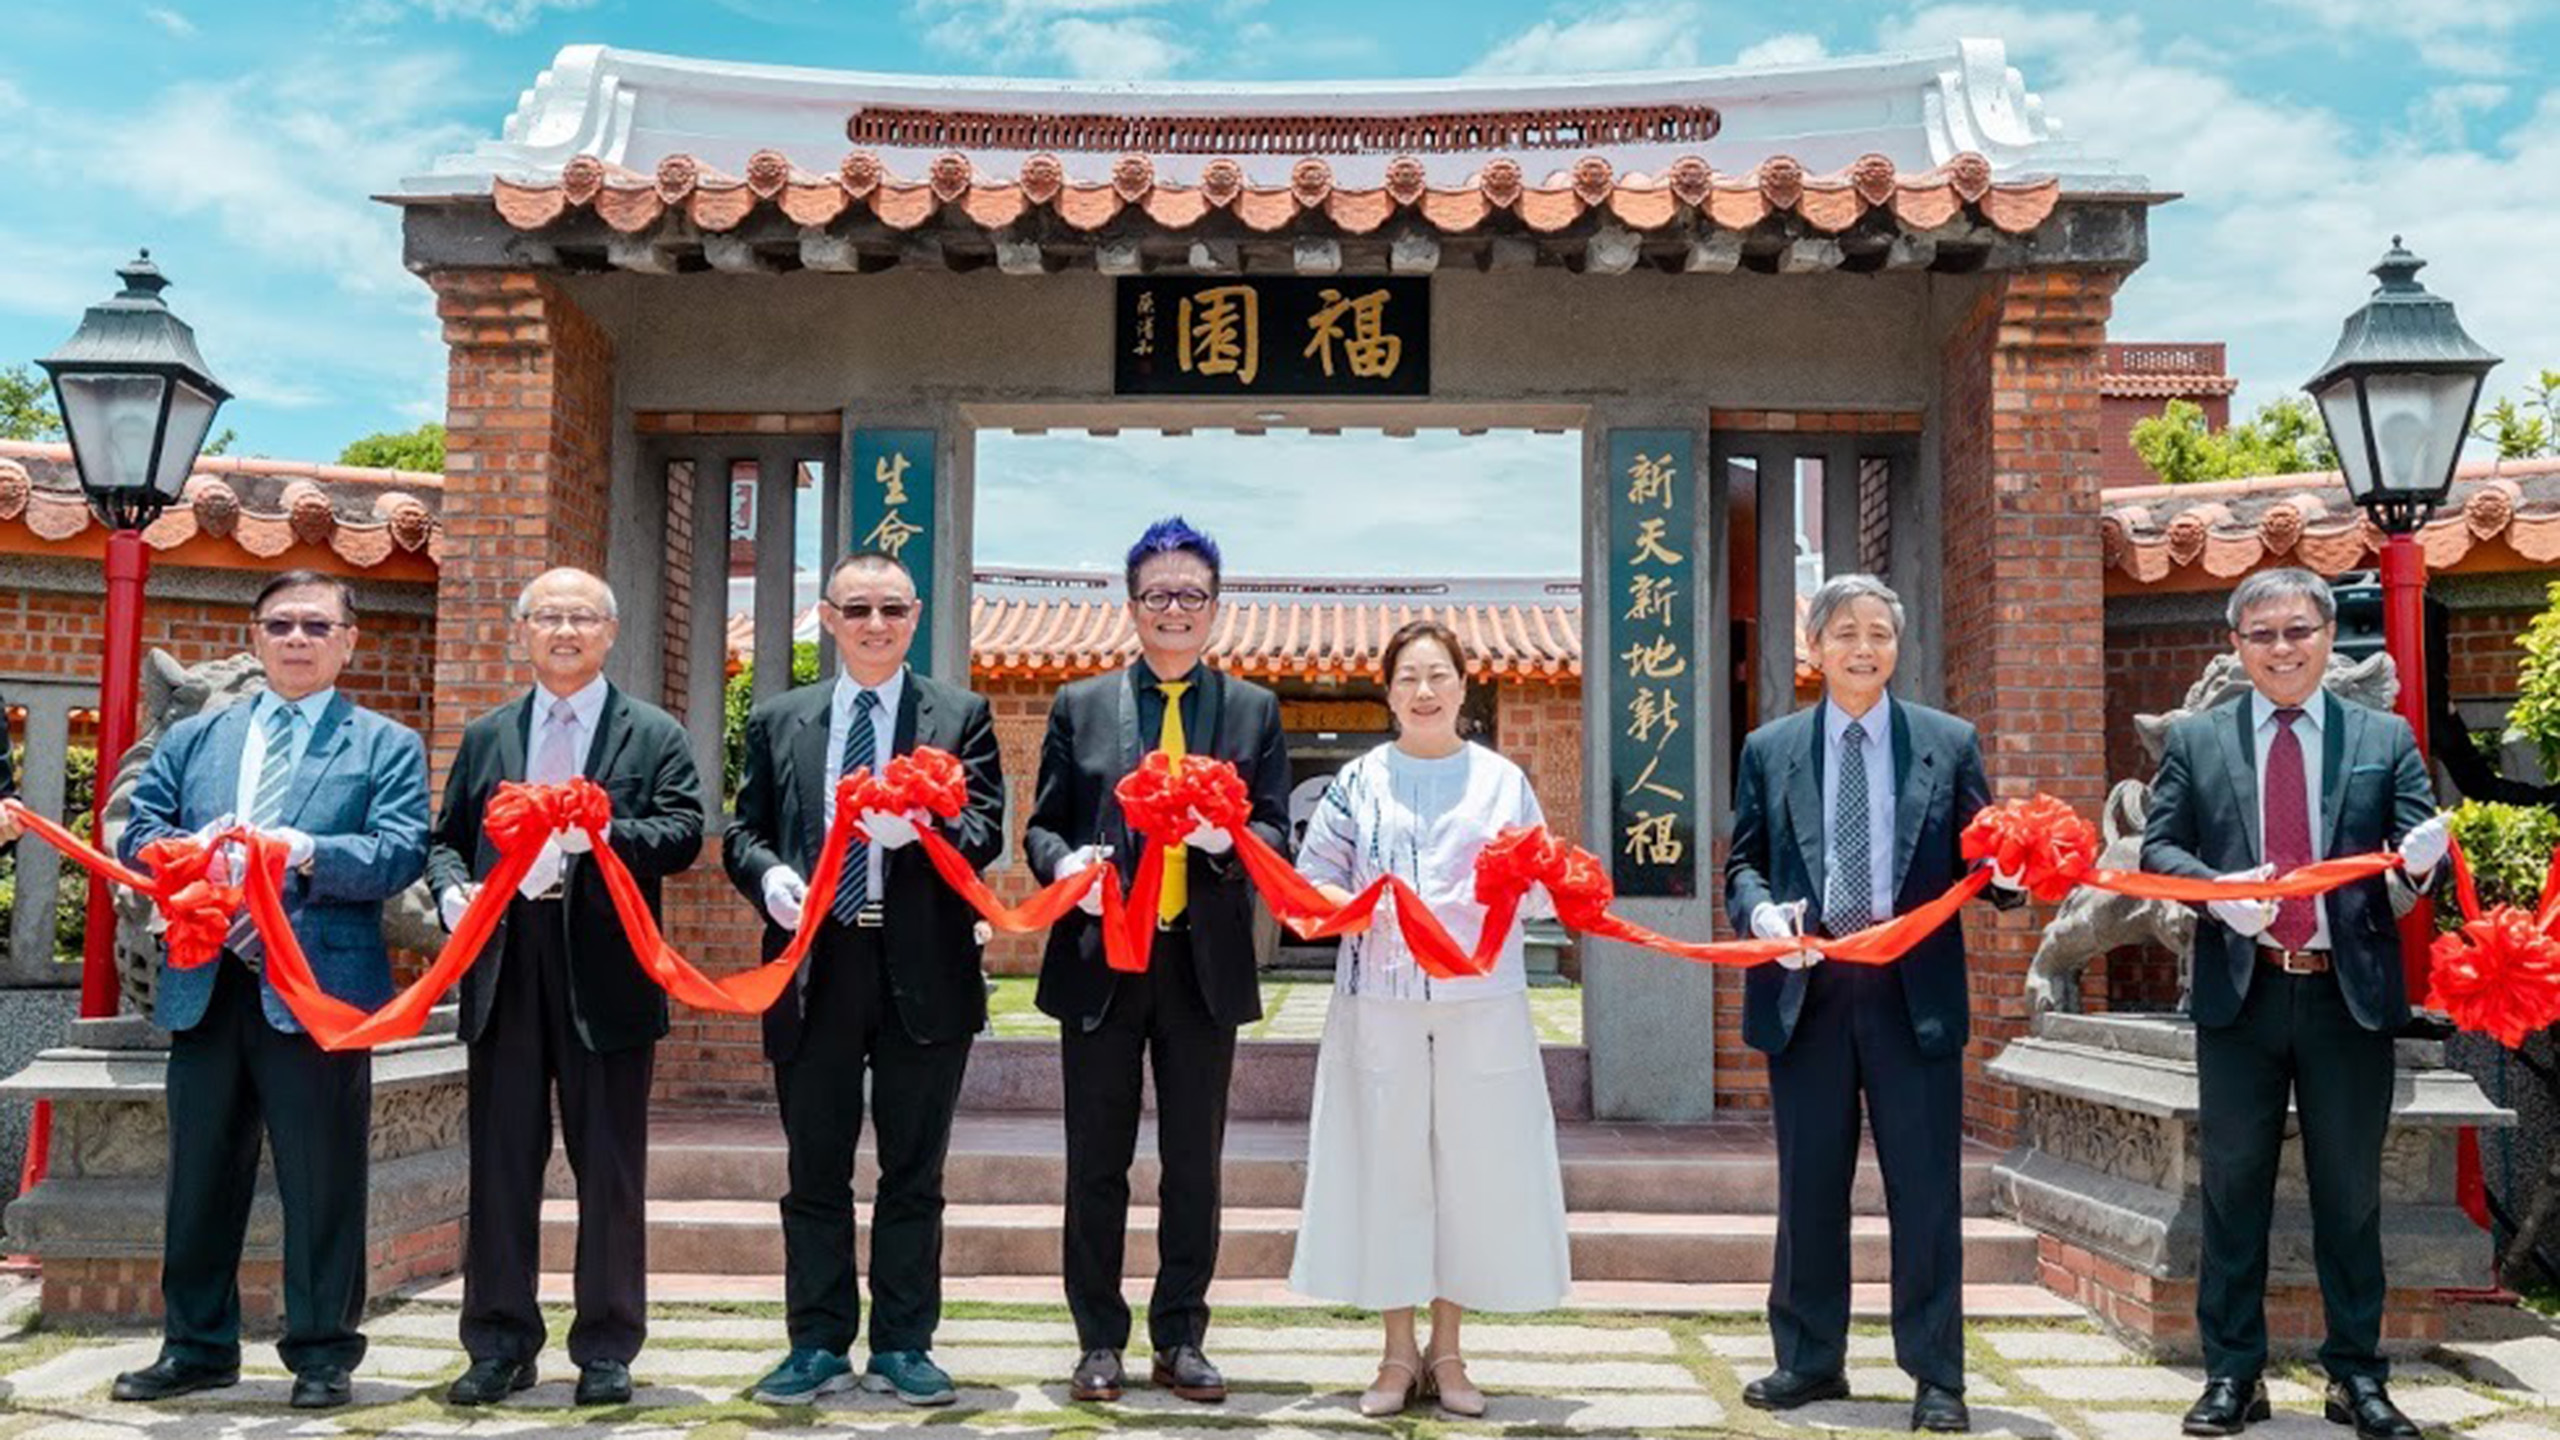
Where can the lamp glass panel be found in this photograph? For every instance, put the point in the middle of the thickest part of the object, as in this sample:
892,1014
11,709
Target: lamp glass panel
2417,429
2340,408
112,419
190,416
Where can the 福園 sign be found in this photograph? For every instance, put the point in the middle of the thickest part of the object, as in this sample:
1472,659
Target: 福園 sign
1272,335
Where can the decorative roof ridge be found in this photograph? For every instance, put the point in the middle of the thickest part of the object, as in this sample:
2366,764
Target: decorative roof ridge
2123,495
363,524
59,452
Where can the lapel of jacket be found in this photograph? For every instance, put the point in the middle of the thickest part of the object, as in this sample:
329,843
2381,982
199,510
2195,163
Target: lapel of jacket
915,711
228,741
2337,748
1212,712
807,747
1804,799
1916,784
613,731
2240,769
328,737
1132,749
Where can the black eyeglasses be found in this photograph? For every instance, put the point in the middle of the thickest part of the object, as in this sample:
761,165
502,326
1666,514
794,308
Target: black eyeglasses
858,611
2291,635
1189,601
280,626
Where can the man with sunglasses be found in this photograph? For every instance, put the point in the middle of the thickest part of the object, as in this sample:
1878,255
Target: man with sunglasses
2296,1003
558,1000
344,789
892,986
1200,983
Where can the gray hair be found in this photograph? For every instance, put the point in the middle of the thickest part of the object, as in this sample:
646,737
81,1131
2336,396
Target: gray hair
2290,583
524,597
1838,591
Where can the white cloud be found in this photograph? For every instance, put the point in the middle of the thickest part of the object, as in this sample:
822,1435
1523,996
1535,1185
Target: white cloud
12,99
1089,39
2443,115
1793,48
1622,36
170,20
507,17
2466,37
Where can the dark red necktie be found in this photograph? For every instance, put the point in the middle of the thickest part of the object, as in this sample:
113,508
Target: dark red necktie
2288,821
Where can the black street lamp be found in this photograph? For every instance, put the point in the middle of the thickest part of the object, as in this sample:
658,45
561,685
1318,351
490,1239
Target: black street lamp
138,402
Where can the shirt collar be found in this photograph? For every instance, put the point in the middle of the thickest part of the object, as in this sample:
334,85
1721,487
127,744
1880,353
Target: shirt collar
1877,722
310,707
888,690
1149,680
2262,711
586,703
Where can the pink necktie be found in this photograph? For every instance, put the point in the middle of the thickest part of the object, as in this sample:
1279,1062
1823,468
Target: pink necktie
558,760
2288,822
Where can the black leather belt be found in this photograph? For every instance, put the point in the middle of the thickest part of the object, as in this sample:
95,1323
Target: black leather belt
2296,962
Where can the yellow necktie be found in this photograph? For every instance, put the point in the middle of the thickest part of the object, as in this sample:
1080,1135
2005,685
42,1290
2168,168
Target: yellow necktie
1177,865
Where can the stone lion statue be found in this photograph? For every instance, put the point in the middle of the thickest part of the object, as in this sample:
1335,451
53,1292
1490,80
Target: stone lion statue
2092,922
172,692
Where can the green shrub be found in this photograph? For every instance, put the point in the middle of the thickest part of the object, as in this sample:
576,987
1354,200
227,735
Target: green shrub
739,698
71,895
2509,849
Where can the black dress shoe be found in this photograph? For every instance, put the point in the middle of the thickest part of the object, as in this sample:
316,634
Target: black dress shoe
1935,1407
323,1387
1187,1373
2228,1406
2361,1401
1097,1376
168,1376
1787,1389
489,1381
604,1382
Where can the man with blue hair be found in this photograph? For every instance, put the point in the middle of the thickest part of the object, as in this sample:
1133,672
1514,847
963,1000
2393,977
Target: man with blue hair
1200,984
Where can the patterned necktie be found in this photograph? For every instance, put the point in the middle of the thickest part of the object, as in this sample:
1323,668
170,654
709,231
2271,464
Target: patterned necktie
1850,903
853,890
1176,894
266,812
2288,823
558,761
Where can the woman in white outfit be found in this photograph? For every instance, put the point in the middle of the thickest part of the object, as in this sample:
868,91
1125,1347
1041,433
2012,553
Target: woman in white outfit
1431,1166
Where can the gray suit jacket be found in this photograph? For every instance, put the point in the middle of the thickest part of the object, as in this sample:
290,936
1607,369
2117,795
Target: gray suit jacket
2204,822
360,794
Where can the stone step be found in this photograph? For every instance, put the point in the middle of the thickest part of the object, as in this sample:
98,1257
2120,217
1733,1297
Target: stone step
744,1237
1274,1079
1723,1168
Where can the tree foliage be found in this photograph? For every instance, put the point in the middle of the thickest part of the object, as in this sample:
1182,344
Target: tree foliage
2285,437
740,697
421,449
2527,428
26,406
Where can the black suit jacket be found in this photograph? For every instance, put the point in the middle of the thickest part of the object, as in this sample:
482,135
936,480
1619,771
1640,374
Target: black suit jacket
930,932
1094,740
2204,821
1778,850
644,761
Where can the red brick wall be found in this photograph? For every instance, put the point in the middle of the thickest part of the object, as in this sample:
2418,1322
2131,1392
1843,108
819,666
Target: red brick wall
2022,591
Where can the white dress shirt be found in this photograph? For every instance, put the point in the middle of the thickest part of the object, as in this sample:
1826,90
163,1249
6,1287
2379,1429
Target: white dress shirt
884,732
586,717
1877,749
2309,730
253,749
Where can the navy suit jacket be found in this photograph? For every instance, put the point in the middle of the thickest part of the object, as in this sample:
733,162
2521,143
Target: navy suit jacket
2204,821
1777,857
360,794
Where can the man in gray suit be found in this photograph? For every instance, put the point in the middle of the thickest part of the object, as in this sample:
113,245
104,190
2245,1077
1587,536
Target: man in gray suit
345,790
2294,1002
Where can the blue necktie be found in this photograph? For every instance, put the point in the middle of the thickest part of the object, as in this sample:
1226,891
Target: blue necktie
853,888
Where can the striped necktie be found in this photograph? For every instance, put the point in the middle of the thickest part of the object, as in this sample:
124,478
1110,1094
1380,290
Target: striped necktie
853,888
266,812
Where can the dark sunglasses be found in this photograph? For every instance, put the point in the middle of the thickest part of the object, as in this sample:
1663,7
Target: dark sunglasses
280,626
2291,635
858,611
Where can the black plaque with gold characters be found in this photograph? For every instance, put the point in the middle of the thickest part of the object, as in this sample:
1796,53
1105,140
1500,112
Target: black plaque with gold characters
1272,335
1652,600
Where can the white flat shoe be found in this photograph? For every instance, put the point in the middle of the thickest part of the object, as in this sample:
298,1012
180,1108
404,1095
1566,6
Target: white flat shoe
1381,1400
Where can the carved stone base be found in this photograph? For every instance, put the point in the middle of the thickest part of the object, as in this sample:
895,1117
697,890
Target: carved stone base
96,1221
2108,1173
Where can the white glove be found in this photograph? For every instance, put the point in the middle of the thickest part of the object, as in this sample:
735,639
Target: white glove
1208,839
784,894
8,824
981,932
573,840
1784,922
545,871
225,866
2424,847
888,830
455,900
297,845
2247,919
1076,862
2008,879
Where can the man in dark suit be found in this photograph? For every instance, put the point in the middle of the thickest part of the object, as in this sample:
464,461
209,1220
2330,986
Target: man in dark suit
1844,814
558,999
892,985
345,790
2299,999
1200,984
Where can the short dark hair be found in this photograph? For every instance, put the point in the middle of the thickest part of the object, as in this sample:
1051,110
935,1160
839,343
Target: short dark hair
306,579
1172,535
1425,628
869,555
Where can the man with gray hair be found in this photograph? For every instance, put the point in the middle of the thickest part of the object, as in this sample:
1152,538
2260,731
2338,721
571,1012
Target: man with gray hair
2295,1003
1845,814
558,999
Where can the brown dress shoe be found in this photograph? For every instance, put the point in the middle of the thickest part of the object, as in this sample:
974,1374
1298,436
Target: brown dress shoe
1187,1373
1097,1376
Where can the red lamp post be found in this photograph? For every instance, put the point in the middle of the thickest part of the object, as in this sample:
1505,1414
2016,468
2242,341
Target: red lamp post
2397,396
137,402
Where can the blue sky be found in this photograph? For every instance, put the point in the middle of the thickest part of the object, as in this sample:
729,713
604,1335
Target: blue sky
241,140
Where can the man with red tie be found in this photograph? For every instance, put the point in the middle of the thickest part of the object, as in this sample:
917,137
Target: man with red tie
2295,1003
